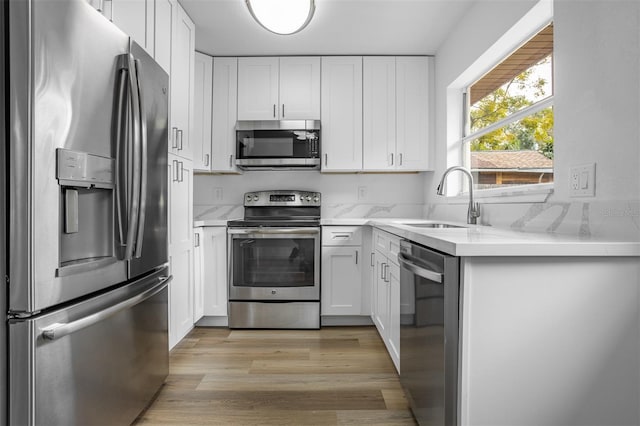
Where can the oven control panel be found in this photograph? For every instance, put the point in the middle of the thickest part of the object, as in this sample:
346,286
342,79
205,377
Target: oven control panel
282,198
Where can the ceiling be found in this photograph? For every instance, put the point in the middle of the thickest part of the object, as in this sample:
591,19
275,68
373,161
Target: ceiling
339,27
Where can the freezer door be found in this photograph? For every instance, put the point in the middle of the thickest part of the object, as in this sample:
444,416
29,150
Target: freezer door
63,63
97,362
151,237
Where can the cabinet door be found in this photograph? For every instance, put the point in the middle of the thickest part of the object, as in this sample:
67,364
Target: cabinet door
258,89
202,99
225,102
165,12
299,88
412,112
393,339
379,115
180,248
215,271
341,280
342,113
135,18
182,82
198,276
381,296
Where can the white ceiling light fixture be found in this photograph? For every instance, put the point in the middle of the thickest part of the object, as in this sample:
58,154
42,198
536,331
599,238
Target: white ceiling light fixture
282,16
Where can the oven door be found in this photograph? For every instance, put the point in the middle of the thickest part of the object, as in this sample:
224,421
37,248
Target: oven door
274,263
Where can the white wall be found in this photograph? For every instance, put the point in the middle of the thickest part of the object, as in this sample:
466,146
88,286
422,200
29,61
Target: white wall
597,111
385,195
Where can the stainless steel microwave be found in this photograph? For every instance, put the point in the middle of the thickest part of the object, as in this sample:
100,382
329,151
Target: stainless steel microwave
280,145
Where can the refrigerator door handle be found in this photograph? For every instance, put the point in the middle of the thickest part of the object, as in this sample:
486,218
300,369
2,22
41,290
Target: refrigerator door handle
58,331
121,187
143,161
132,174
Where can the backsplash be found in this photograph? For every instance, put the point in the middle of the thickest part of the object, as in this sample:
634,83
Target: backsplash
343,195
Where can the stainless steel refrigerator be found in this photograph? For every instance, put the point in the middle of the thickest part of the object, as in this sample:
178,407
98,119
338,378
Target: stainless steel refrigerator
84,119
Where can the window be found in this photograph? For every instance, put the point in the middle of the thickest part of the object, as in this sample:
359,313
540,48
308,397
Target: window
508,118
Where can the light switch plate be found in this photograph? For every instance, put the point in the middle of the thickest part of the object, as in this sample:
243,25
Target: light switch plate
582,180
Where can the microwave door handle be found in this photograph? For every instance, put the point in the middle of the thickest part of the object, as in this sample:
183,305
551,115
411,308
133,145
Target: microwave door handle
143,161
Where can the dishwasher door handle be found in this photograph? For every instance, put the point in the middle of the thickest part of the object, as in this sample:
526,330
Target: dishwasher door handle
419,270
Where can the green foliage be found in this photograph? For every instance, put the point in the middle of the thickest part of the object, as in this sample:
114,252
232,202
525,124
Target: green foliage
534,132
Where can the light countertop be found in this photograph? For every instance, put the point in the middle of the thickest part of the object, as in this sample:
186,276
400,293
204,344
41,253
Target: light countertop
209,222
479,240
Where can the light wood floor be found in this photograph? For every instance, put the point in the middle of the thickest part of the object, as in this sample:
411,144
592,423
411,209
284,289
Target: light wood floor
332,376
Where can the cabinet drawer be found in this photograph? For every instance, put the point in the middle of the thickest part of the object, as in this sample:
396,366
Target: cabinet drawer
341,235
387,244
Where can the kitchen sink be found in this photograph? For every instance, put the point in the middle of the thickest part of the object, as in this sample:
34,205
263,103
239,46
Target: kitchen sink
434,225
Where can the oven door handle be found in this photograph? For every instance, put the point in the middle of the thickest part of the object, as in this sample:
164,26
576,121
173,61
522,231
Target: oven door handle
273,231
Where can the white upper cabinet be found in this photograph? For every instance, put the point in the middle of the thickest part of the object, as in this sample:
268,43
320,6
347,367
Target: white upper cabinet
271,88
225,101
165,11
341,96
412,112
182,85
202,98
258,89
379,99
135,18
395,129
300,88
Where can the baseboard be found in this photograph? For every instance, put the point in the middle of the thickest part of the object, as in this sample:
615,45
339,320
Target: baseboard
213,322
345,320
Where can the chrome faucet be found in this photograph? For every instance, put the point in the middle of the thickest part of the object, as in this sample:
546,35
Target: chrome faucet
474,208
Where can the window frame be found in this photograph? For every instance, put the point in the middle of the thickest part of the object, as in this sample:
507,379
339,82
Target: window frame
458,135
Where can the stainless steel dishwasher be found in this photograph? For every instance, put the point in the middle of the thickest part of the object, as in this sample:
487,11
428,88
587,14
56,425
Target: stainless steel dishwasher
429,284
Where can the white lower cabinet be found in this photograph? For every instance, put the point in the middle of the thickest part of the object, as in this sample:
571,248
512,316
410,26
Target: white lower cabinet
180,235
385,305
215,271
342,290
210,264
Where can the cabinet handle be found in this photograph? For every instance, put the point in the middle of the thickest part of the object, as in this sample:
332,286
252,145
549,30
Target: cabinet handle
392,159
382,271
325,160
181,171
174,137
231,161
356,257
400,159
178,136
274,110
386,275
206,160
197,238
174,170
372,259
282,110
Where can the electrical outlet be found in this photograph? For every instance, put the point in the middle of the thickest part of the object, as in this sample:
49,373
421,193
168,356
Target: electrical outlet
362,192
218,194
582,180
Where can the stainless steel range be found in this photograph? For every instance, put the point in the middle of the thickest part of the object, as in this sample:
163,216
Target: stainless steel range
274,261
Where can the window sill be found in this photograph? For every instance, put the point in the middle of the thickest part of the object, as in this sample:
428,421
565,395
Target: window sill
518,194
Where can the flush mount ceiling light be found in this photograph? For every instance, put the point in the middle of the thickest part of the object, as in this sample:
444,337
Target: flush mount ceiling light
282,16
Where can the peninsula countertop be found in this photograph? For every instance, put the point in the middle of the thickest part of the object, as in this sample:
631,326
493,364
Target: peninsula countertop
480,240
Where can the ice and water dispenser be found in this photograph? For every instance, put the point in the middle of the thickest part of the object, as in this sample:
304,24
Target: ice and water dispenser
86,232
